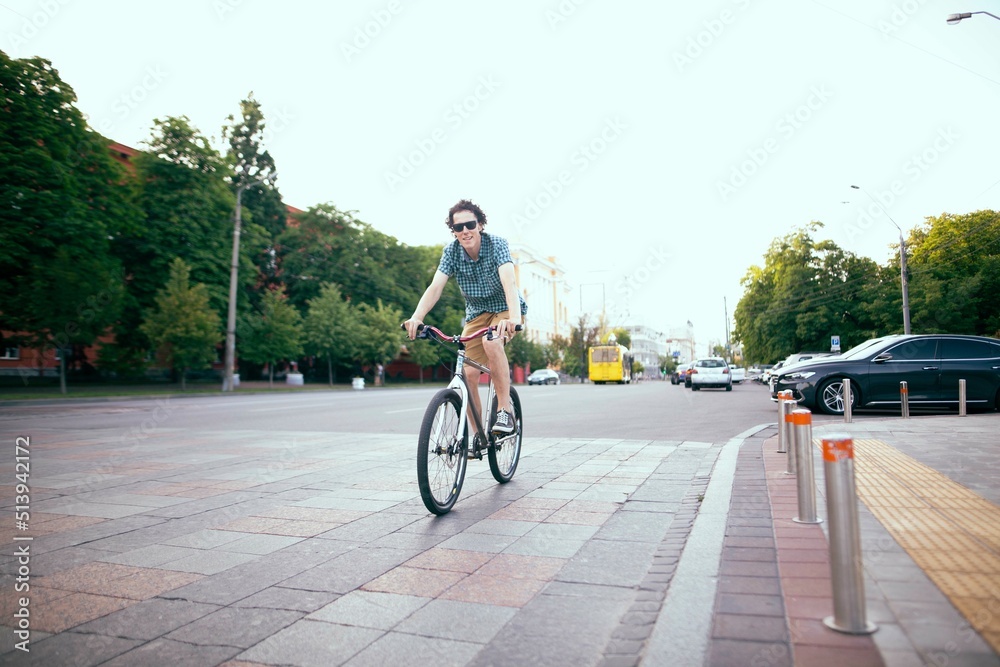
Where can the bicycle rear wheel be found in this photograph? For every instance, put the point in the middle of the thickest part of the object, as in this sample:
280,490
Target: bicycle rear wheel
504,452
441,453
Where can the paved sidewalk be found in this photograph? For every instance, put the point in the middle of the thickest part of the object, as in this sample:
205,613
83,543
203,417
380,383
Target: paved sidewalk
236,549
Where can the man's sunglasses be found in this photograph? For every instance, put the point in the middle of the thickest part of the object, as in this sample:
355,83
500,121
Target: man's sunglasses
463,226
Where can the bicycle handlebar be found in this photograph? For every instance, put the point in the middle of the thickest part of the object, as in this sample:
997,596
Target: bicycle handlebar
425,330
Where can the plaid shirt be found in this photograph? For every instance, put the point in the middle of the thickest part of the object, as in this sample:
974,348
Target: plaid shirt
479,279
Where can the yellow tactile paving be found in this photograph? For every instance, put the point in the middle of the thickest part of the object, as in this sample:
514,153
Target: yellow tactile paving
952,533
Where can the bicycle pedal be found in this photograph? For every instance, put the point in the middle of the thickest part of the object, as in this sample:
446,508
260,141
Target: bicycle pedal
474,454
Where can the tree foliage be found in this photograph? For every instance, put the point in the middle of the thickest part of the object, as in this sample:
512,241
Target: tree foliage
64,203
331,328
183,326
954,267
807,291
272,334
379,337
252,168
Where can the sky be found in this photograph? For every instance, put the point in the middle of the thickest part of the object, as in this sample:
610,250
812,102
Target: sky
656,149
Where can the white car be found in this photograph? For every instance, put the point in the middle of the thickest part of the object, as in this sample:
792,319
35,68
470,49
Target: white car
711,372
739,374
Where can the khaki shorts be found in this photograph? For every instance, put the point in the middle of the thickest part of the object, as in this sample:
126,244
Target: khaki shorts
474,348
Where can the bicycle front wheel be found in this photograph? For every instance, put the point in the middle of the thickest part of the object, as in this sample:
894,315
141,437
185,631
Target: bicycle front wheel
441,453
504,452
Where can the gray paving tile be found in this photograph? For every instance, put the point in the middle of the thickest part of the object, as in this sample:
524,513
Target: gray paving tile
311,644
350,570
369,609
293,599
168,652
609,563
206,539
450,619
544,546
235,626
151,556
488,543
540,628
207,562
259,544
70,649
396,648
147,620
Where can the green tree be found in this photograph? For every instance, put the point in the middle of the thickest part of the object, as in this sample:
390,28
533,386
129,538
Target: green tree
183,326
622,337
806,291
188,209
423,354
273,334
331,328
64,203
330,245
380,336
954,266
253,172
667,364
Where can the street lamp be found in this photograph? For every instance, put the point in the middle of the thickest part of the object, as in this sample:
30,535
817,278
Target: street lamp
955,19
227,381
902,263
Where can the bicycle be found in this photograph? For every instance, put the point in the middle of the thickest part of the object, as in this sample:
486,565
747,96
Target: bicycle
443,447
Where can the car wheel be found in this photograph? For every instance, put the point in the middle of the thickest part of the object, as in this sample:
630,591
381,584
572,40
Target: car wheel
550,381
830,397
729,387
695,387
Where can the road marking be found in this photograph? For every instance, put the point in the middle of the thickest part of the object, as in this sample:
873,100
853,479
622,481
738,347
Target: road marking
392,412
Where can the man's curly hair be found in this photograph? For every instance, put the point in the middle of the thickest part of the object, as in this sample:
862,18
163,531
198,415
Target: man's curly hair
465,205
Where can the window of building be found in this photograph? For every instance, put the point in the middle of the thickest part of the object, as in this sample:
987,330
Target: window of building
11,353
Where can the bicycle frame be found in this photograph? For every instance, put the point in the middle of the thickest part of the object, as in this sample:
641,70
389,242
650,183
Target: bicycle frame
460,384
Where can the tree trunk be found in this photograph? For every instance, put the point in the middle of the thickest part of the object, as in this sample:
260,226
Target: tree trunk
270,376
421,375
183,379
329,367
62,370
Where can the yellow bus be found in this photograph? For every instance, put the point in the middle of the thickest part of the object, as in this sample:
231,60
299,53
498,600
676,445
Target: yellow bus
610,363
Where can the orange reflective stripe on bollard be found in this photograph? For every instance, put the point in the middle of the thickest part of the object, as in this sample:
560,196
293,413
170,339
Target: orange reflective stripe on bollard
838,449
801,417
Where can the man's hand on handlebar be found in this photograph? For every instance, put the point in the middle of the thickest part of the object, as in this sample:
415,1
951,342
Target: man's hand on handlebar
412,327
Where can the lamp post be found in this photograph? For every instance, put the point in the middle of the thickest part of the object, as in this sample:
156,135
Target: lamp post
955,19
227,381
902,263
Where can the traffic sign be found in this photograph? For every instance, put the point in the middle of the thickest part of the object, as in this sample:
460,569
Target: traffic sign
835,343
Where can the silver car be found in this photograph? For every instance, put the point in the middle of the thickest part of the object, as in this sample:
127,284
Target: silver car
711,372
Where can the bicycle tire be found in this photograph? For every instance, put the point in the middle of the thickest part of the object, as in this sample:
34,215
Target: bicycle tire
504,457
441,453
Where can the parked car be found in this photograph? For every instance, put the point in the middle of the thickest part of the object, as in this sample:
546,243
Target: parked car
931,365
687,375
795,358
739,374
711,372
544,376
680,374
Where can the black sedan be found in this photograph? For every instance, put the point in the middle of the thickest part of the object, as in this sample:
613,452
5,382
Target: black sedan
931,365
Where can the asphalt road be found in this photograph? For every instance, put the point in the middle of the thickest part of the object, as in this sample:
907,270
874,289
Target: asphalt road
649,410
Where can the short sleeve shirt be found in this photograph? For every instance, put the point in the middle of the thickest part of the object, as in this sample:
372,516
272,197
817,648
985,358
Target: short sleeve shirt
479,279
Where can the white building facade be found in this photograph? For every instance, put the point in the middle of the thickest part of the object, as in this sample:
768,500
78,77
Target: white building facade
543,285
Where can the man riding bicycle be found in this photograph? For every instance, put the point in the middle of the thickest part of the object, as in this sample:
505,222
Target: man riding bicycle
484,270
